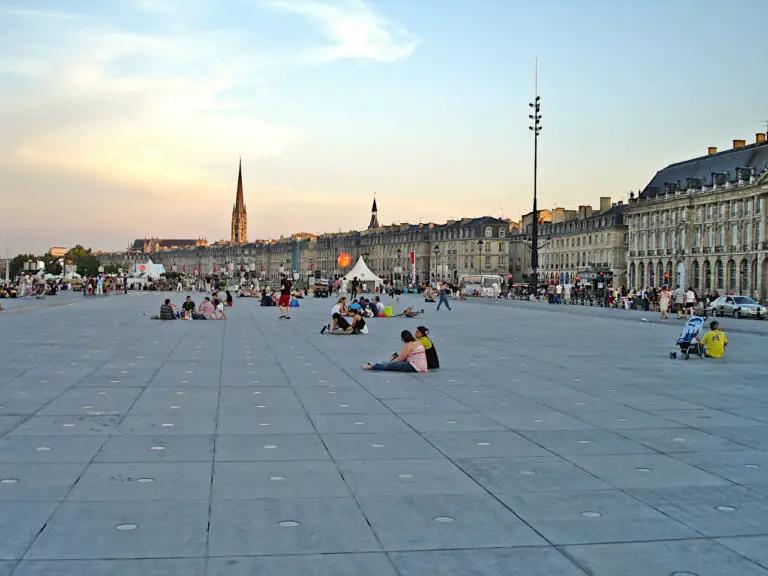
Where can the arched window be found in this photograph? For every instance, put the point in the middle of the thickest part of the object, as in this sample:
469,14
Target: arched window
719,274
707,276
744,277
651,276
732,285
632,275
488,232
642,276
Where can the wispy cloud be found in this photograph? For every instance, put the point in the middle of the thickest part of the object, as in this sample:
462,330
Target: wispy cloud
133,108
356,30
36,14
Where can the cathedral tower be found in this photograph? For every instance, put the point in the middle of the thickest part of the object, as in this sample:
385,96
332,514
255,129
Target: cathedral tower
239,216
374,217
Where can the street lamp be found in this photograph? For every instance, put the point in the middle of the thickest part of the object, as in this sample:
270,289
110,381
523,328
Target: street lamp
399,254
436,251
536,129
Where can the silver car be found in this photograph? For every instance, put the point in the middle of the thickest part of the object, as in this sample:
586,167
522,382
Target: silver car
736,306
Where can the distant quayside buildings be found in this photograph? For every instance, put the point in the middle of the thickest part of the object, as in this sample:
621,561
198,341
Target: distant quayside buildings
700,222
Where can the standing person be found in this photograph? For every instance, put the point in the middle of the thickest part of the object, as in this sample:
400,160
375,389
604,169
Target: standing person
355,284
443,297
664,300
690,302
285,298
679,297
558,293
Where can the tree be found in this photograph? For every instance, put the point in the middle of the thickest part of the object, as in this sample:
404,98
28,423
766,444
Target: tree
84,260
17,264
111,269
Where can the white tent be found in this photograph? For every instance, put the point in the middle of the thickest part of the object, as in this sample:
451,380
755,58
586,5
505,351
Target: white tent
361,271
149,269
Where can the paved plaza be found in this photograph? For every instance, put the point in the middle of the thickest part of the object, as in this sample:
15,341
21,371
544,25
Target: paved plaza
552,442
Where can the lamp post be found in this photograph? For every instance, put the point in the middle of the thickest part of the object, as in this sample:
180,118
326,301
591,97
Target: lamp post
399,253
536,129
480,256
436,252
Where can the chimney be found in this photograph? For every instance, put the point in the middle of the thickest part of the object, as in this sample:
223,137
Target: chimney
712,150
605,203
739,144
760,138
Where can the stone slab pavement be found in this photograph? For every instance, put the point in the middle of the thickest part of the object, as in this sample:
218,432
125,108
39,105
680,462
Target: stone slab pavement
550,443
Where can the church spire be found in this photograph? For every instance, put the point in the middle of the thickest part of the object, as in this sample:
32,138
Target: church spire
374,216
239,215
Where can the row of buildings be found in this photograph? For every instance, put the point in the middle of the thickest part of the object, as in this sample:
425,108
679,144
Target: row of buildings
700,222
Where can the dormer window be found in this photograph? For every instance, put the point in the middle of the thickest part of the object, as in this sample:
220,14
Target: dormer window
488,232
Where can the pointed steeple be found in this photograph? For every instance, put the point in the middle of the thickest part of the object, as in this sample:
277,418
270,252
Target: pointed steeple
239,199
239,216
374,216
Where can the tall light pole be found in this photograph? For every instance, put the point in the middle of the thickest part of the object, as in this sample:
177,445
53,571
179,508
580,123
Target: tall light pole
536,129
7,260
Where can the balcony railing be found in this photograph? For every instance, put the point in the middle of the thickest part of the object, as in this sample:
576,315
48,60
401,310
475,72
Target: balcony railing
631,253
720,249
765,244
706,249
669,251
695,249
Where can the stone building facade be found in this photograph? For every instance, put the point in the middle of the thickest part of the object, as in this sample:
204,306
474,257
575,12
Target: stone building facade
702,223
583,246
431,251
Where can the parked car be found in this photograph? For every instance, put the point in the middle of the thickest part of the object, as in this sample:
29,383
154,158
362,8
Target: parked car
737,306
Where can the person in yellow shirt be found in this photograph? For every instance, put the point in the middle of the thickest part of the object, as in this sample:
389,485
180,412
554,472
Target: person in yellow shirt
714,341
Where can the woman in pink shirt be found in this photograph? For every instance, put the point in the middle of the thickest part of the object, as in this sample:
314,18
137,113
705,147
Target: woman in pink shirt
412,357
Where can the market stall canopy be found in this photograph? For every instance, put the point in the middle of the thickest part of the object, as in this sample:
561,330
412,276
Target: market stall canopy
361,271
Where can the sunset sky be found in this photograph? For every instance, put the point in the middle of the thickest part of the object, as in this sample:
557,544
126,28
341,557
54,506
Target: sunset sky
122,119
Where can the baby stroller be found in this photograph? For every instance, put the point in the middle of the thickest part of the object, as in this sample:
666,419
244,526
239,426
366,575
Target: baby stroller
688,341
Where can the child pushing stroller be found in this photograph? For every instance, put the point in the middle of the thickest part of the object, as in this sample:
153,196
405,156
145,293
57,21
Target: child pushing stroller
689,341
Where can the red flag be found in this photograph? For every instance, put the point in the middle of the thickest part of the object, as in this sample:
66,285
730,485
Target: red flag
413,257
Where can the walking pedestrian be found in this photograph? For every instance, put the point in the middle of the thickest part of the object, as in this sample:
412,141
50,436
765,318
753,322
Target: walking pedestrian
443,297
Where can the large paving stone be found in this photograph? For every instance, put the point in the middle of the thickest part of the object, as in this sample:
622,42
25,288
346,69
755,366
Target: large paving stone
682,557
281,425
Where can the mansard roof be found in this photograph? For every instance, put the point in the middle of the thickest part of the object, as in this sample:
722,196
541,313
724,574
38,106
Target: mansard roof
751,157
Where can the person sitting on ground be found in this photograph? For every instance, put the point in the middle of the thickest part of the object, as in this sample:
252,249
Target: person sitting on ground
429,348
189,306
168,310
714,341
412,357
219,306
337,316
207,310
266,299
379,307
356,327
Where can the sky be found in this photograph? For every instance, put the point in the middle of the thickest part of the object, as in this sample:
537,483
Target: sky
123,119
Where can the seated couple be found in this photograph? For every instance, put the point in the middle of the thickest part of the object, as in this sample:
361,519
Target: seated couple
340,325
418,354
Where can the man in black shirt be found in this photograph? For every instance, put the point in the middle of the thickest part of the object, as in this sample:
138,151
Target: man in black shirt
285,298
189,306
